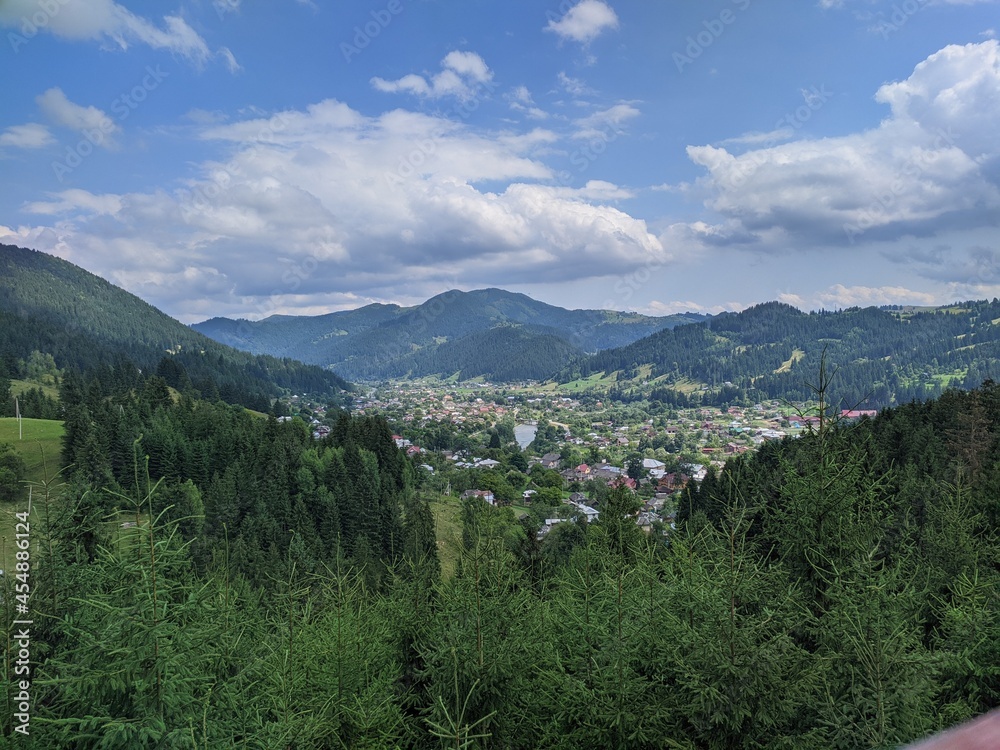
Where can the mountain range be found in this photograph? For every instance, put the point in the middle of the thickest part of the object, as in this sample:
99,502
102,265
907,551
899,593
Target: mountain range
52,306
490,333
881,356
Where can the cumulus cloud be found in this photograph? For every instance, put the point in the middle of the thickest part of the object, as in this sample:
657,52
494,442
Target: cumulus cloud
29,135
933,163
106,21
60,110
326,201
462,74
585,21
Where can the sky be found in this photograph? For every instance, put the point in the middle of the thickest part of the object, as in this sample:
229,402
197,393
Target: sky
242,159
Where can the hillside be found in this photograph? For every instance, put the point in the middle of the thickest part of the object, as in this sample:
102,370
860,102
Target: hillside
883,356
84,322
378,341
502,354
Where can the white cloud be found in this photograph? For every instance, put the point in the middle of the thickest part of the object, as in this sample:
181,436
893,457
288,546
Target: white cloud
76,200
230,59
675,307
462,75
934,162
520,100
107,21
574,86
29,135
839,295
606,121
757,138
585,21
327,201
88,120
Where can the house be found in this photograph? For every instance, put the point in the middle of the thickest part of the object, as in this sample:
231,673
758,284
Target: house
652,463
592,514
605,471
645,521
854,414
484,494
796,421
551,460
673,482
622,481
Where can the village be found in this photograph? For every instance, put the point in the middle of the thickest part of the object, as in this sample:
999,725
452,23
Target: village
556,455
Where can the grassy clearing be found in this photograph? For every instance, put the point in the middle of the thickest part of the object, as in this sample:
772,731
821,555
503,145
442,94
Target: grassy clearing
17,387
40,444
597,380
947,378
688,386
786,366
448,530
40,448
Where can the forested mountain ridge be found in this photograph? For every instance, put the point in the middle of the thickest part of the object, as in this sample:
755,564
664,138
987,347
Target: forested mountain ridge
52,306
379,341
883,356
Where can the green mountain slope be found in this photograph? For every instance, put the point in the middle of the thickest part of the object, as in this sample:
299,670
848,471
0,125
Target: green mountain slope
505,353
383,340
84,322
883,356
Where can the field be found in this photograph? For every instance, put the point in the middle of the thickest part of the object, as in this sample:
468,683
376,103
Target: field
40,449
17,387
448,530
39,445
797,354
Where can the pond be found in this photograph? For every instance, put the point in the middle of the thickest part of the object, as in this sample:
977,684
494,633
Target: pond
524,434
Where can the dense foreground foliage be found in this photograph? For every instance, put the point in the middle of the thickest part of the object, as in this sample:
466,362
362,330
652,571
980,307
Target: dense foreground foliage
838,591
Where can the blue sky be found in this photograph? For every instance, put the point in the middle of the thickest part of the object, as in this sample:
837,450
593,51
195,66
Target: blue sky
296,156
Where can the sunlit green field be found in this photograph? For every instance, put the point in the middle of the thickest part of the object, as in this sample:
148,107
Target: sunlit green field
39,444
